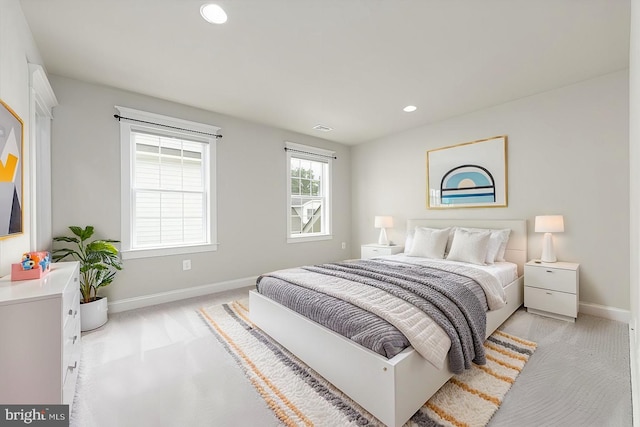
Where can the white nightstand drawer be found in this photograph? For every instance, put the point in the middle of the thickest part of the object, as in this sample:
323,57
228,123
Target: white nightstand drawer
371,251
551,301
554,279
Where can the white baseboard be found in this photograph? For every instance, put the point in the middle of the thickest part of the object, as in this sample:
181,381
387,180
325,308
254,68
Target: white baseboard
163,297
611,313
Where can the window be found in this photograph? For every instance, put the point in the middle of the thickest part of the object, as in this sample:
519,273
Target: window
308,193
168,187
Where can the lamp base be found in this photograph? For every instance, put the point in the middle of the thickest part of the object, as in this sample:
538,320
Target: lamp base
382,240
548,253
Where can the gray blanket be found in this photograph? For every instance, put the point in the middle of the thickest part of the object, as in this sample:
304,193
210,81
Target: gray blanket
451,300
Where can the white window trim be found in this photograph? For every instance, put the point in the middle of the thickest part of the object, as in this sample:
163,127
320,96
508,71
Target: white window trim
314,153
126,156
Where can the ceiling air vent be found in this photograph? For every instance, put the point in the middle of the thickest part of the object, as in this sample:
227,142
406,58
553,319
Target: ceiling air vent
322,128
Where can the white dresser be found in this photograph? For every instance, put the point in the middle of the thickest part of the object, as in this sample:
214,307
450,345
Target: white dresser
40,337
552,289
373,250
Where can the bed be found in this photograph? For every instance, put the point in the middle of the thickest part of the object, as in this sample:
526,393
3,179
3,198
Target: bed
390,389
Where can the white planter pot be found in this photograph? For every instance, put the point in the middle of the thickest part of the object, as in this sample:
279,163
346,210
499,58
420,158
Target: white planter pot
93,314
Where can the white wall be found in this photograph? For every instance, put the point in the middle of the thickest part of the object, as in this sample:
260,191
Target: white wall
567,154
17,50
251,191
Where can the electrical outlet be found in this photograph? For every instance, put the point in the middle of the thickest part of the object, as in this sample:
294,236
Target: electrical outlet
344,245
186,264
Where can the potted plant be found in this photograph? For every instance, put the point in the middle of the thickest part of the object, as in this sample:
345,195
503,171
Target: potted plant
99,262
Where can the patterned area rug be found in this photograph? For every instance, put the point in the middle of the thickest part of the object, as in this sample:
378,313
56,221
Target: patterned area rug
300,397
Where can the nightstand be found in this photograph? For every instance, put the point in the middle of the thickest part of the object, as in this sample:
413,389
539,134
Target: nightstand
373,250
552,289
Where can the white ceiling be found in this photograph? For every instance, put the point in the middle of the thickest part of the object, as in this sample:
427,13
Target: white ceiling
348,64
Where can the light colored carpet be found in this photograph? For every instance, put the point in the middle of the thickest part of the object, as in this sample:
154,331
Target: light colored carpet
299,396
578,377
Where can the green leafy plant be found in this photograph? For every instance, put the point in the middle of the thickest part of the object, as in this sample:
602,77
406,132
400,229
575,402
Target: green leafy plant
98,259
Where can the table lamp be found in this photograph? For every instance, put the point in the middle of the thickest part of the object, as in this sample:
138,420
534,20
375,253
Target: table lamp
383,222
548,224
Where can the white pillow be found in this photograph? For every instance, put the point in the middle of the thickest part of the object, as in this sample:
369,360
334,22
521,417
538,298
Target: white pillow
469,246
450,240
503,236
408,242
497,243
429,242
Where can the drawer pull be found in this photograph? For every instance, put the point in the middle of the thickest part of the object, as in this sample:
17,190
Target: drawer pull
73,341
75,313
75,365
70,312
549,271
548,293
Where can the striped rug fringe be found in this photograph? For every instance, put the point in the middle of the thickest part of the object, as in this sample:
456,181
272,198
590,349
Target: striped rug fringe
298,396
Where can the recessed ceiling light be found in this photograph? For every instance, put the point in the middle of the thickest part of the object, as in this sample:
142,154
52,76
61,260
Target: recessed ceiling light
410,108
213,13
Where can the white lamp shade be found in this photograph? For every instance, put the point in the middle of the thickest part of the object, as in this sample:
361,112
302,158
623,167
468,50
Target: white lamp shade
383,222
549,224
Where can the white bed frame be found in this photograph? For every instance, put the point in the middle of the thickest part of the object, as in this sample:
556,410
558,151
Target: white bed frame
390,389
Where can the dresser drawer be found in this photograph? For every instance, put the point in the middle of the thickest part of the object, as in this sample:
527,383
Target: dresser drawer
71,367
71,356
71,309
70,298
554,279
551,301
71,343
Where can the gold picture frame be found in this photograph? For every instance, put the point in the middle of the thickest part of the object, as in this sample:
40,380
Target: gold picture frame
11,172
468,175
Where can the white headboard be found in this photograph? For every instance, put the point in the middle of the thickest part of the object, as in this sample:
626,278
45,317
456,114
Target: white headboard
516,248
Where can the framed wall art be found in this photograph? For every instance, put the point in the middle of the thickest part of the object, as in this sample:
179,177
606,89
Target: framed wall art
468,175
11,161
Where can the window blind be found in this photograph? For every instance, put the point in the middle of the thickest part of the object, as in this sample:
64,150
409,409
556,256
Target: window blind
169,191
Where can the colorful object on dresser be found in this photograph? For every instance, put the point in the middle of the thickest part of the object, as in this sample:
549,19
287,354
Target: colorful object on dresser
33,265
